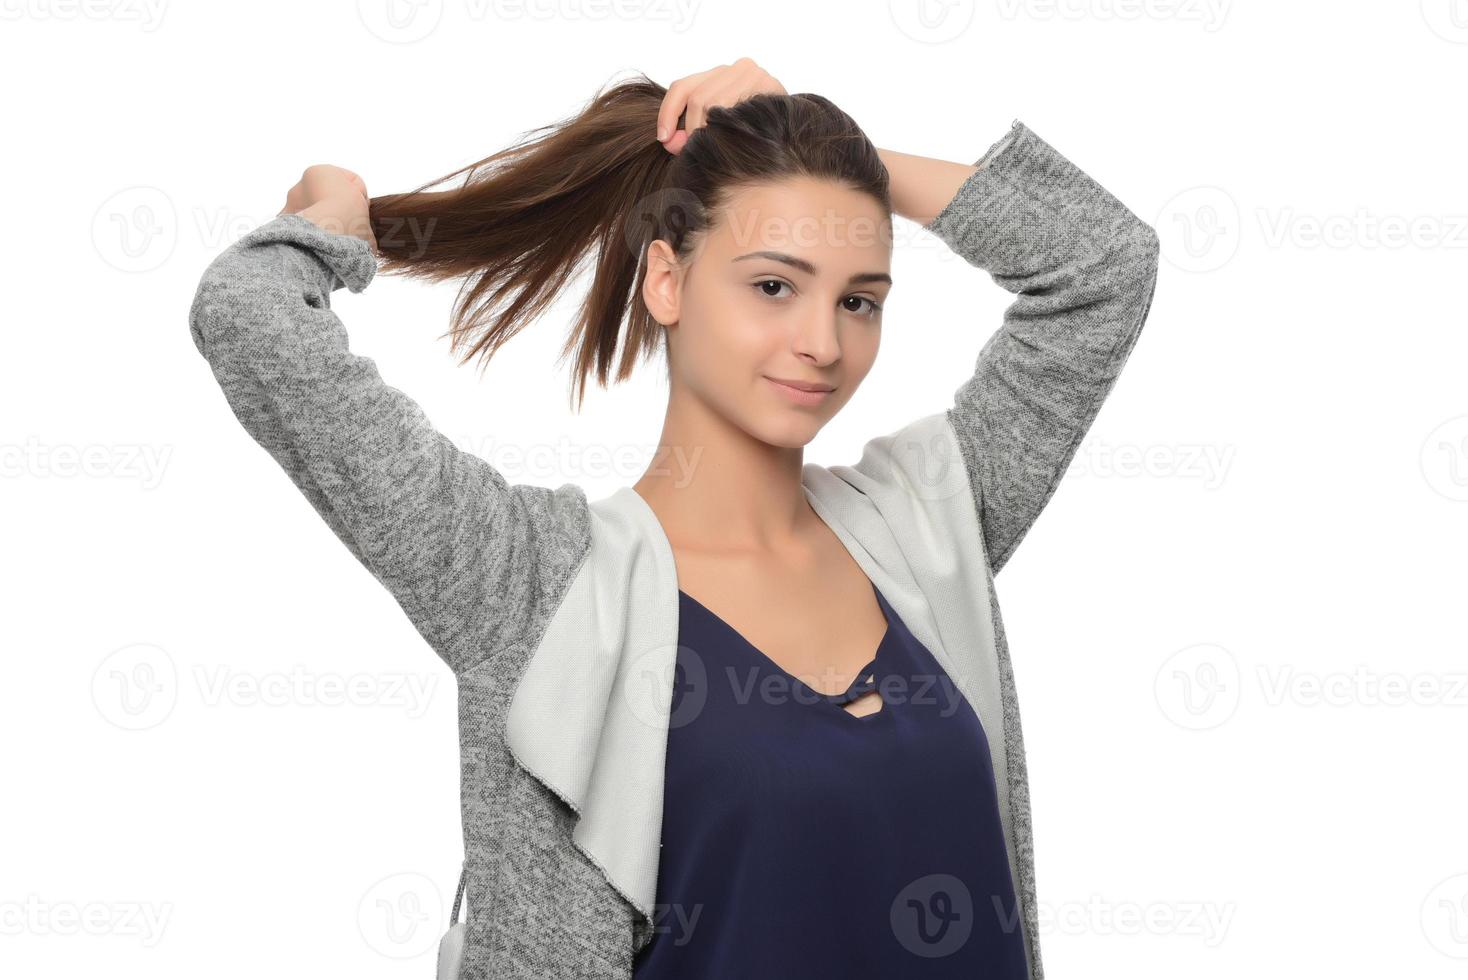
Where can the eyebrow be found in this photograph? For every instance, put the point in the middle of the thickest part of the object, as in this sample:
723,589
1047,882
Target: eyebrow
810,270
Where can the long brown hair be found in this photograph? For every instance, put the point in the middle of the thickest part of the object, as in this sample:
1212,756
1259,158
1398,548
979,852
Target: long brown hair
524,220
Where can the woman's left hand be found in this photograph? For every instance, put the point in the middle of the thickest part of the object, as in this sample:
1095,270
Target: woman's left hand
697,94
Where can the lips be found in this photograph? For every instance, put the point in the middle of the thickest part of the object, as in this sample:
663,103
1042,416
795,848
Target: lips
804,385
792,391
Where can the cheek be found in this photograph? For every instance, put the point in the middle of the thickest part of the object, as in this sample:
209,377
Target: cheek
864,347
717,356
735,336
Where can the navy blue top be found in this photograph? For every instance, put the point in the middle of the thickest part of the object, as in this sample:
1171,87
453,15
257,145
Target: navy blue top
801,840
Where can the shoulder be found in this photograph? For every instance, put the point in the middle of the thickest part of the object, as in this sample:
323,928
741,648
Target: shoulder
907,501
918,468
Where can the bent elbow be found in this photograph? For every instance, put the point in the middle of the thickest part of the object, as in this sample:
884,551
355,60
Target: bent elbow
1138,251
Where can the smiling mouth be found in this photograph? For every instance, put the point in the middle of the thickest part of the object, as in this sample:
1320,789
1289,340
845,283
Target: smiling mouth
813,395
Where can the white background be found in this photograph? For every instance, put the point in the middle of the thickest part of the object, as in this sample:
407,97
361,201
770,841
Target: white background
1239,655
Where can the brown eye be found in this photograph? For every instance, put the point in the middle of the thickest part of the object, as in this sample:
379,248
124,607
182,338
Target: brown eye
875,306
777,283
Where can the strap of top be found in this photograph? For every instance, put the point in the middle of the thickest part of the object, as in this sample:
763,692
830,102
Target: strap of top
865,681
459,893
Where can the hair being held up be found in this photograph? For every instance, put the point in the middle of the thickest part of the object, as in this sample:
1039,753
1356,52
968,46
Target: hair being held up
593,191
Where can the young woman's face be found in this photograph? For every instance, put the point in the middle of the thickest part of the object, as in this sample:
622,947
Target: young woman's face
784,290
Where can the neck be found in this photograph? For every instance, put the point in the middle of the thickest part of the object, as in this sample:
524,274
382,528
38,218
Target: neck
715,487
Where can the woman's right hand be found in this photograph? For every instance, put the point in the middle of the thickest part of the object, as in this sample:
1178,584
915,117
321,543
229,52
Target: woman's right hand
333,198
690,98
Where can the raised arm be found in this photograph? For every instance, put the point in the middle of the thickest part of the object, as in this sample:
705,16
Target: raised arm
1083,269
440,528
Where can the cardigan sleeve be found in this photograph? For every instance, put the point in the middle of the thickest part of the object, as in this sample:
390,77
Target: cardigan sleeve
440,528
1083,269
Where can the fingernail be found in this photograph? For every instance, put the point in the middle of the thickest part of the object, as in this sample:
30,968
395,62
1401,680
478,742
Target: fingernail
662,133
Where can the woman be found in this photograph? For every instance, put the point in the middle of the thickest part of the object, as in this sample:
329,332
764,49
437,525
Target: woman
752,716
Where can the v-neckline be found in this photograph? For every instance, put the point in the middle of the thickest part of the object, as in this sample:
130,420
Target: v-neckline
859,684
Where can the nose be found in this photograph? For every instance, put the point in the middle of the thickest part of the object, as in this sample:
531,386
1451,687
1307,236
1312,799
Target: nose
817,339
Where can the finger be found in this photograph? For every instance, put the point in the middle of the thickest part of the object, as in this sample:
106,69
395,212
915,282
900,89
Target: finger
696,117
732,89
674,102
705,97
670,109
693,116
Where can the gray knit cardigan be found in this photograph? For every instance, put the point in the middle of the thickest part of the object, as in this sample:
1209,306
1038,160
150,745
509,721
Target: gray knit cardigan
558,615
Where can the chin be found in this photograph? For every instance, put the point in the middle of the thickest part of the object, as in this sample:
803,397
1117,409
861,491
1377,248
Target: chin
789,432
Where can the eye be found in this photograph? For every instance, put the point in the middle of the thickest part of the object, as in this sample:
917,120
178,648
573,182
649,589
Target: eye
873,307
770,282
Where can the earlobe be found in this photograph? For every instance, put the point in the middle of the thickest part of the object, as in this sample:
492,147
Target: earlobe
663,311
660,285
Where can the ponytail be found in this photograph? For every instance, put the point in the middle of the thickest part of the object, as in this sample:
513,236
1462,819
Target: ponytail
525,220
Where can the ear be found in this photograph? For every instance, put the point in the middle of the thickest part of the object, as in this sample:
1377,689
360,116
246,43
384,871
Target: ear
660,285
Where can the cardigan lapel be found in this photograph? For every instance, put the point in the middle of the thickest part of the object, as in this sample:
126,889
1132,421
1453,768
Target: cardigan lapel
589,717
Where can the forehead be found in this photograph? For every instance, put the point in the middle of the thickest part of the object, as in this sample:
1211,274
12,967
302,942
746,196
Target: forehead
803,216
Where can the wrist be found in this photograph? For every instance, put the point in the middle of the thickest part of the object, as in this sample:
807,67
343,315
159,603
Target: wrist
330,217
